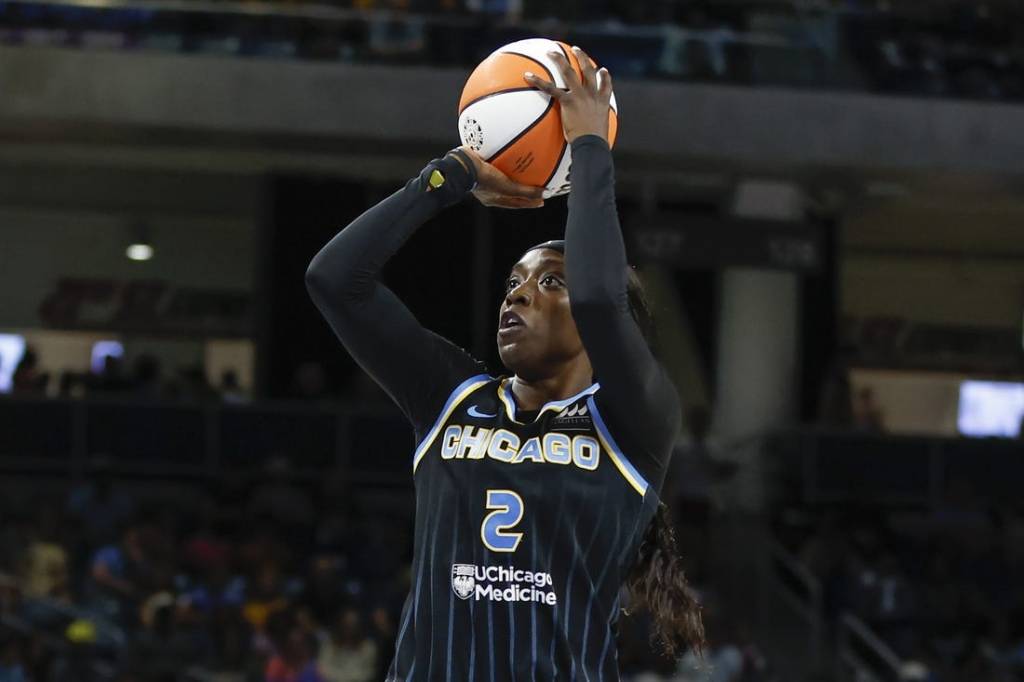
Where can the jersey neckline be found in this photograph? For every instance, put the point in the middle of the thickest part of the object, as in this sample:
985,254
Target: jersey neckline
508,400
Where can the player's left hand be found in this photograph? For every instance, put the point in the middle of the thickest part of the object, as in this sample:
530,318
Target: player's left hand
585,101
494,188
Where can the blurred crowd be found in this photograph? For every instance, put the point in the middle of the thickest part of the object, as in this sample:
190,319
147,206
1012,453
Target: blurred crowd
952,49
273,578
942,589
145,379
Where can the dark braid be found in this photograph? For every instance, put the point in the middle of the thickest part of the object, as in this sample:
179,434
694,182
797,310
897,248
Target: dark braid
656,580
657,583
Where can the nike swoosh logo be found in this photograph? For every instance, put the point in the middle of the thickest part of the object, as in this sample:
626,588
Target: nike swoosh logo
473,412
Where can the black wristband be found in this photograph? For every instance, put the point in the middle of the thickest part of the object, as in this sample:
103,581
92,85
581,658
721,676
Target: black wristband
450,177
467,164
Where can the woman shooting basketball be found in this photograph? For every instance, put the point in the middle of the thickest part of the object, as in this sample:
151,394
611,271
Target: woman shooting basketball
536,493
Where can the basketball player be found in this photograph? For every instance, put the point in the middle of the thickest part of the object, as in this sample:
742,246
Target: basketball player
536,493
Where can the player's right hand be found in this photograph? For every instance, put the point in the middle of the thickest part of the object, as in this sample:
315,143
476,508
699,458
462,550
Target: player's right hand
494,188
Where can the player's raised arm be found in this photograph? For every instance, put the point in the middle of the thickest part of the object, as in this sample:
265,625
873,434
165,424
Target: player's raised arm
416,367
635,389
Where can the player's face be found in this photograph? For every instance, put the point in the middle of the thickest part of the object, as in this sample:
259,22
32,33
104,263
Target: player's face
536,331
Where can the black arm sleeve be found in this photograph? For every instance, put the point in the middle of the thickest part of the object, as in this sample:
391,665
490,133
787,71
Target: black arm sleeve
637,398
416,367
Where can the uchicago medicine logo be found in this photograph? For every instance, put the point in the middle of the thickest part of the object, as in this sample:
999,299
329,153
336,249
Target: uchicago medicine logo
463,580
502,583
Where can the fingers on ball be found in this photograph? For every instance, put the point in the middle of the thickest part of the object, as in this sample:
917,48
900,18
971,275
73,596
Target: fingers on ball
564,67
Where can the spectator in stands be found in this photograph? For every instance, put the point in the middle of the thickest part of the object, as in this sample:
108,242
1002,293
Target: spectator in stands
146,379
206,548
507,10
295,660
397,39
383,631
867,414
231,641
28,378
191,385
230,390
159,651
326,587
12,663
118,575
44,571
217,590
112,379
265,597
72,384
346,653
98,506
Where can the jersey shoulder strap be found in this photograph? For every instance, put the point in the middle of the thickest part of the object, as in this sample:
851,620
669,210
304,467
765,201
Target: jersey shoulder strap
455,398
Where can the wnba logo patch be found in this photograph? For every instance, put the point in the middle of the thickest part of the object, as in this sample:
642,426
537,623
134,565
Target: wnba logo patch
463,580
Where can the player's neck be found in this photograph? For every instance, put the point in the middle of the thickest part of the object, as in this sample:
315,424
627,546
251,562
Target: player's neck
532,394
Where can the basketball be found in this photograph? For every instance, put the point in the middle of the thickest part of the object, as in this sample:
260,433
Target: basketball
515,126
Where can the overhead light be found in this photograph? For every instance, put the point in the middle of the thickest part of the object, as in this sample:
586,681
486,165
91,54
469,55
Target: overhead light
140,246
139,251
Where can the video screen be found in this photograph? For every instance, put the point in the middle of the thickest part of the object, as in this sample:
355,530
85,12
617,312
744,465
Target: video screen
12,347
990,408
101,350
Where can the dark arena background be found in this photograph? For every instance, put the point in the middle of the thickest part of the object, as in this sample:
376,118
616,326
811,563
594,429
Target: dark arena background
825,201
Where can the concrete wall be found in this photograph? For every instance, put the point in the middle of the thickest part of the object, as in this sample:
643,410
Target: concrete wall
39,246
75,220
953,291
44,88
944,255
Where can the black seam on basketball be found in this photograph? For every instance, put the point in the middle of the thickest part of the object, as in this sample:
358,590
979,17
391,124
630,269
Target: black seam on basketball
569,59
551,103
492,94
558,163
535,61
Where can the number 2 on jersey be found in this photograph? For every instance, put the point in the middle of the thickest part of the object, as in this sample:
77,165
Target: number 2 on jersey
507,511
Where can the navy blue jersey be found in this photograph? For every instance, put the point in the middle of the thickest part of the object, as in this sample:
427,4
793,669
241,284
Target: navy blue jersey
526,523
525,528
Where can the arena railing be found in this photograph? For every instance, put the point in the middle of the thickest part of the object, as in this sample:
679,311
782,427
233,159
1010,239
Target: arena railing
807,47
802,591
324,32
863,656
814,47
45,620
812,466
816,466
200,439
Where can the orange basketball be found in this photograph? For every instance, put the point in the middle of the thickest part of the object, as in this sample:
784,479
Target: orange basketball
515,126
